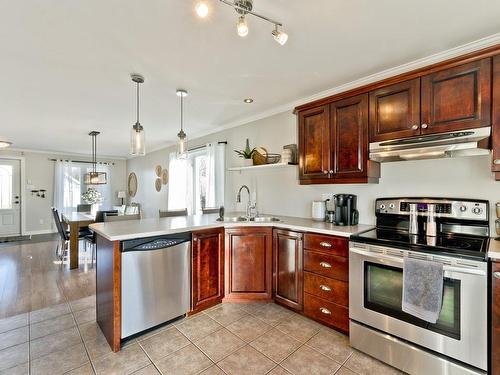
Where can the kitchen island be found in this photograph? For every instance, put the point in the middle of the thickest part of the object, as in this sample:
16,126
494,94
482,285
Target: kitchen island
221,257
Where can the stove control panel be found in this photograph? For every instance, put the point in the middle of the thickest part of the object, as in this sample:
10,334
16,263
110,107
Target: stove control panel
456,209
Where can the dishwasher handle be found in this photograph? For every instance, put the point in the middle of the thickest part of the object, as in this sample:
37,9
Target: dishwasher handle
155,243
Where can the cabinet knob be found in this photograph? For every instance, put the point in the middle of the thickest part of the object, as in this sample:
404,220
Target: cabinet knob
496,275
325,311
425,126
325,244
331,172
496,161
414,127
325,265
325,172
325,288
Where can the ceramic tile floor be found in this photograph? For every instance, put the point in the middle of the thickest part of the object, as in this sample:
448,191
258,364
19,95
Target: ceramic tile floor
227,339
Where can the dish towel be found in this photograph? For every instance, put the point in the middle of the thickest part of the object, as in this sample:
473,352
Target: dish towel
422,288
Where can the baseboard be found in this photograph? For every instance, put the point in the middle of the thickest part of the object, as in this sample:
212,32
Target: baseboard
35,232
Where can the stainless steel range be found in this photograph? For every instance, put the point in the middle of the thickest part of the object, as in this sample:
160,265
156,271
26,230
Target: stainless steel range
454,232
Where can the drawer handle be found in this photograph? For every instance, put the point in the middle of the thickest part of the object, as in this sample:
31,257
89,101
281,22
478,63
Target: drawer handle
325,311
496,275
325,288
325,244
325,265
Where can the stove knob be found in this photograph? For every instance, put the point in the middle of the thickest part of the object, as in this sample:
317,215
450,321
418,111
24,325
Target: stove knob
477,210
382,206
463,208
391,206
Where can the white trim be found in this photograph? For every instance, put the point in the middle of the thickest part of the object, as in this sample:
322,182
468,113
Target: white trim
68,154
391,72
22,188
44,231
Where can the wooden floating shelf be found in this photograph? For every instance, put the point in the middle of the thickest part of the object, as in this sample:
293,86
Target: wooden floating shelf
263,166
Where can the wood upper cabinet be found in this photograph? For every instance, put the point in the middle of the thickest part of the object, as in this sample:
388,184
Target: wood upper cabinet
495,120
457,98
207,275
495,318
314,142
395,111
248,263
288,288
349,132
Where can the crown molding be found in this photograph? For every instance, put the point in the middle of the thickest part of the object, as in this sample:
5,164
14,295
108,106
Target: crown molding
48,152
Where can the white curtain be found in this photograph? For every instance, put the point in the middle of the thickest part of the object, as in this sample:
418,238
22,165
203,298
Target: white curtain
66,186
180,181
215,174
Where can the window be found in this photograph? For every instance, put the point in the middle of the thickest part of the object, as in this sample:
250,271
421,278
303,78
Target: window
5,187
198,181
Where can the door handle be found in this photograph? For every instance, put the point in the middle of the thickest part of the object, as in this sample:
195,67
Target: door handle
325,288
425,126
16,202
325,265
325,311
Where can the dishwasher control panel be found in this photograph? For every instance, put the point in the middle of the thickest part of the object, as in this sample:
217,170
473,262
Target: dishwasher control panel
158,244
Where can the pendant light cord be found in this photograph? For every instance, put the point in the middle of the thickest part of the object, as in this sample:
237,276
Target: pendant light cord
182,112
138,102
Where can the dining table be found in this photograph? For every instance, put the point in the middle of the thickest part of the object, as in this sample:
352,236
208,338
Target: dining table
76,220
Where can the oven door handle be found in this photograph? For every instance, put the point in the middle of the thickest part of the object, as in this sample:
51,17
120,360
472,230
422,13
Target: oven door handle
400,260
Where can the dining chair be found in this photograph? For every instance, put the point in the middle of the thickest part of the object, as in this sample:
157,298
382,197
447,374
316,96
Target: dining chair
91,239
133,209
64,234
108,218
210,210
83,208
173,213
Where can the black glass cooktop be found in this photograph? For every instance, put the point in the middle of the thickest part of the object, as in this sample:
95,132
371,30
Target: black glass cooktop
447,244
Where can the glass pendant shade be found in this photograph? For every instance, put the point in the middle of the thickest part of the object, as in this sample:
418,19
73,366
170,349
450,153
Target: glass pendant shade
242,26
137,140
182,149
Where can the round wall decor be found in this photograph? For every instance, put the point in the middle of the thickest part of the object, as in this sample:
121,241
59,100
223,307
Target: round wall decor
164,177
132,184
158,184
158,170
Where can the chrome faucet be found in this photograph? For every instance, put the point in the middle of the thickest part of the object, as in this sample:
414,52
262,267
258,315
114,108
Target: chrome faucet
250,207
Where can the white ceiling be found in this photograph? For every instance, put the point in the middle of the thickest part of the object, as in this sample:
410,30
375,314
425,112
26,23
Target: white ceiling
65,64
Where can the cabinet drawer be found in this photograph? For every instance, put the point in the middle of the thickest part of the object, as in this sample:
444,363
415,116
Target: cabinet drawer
326,312
330,244
329,289
326,265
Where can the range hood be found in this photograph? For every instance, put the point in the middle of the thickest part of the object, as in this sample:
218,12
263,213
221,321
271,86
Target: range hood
444,145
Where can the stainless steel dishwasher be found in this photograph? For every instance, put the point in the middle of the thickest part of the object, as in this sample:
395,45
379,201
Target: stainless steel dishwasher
155,281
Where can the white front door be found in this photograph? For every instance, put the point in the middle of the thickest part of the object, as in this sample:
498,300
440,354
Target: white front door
10,197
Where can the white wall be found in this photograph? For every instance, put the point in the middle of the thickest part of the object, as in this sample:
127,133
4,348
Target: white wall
39,170
278,190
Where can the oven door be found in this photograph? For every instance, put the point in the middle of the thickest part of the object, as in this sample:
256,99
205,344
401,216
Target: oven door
375,295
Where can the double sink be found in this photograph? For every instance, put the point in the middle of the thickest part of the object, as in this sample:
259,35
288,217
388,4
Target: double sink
256,219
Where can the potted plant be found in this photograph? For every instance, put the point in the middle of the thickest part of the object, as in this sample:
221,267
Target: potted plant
93,197
246,154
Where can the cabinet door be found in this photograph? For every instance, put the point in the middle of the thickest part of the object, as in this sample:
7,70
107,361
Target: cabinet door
314,143
350,137
458,98
249,264
495,318
495,124
207,268
288,288
395,111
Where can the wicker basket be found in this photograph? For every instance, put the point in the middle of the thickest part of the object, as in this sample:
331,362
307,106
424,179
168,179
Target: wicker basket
261,157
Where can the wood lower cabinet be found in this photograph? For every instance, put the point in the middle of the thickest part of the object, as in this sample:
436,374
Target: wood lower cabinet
288,286
314,143
207,275
326,280
495,318
248,264
395,111
457,98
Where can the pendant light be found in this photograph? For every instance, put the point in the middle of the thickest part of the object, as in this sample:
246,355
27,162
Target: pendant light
94,177
137,134
182,150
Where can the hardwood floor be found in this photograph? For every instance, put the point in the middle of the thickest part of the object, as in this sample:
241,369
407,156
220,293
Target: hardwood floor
31,277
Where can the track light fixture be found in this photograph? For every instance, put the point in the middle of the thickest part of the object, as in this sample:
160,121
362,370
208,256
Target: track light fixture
243,8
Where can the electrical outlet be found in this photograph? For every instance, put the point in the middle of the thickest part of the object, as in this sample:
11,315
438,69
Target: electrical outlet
41,221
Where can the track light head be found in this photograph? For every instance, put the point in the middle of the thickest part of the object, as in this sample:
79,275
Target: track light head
280,36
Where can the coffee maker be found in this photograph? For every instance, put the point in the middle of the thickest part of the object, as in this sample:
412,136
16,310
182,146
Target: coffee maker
345,209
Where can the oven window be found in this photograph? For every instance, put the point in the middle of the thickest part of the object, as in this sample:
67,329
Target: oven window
383,292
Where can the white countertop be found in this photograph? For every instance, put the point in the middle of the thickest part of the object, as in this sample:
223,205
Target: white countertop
132,229
494,249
